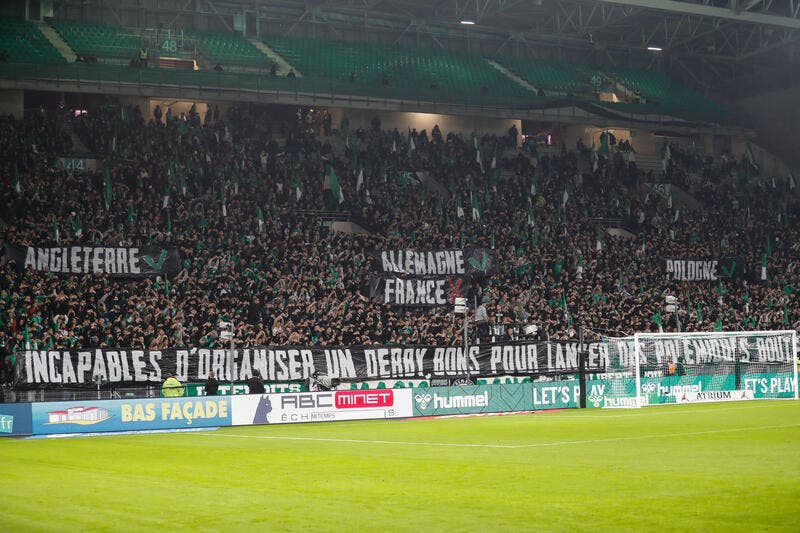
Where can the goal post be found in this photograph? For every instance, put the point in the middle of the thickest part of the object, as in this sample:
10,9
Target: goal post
664,368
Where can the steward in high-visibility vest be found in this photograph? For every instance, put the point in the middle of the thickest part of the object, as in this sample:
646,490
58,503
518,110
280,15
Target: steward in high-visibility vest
171,387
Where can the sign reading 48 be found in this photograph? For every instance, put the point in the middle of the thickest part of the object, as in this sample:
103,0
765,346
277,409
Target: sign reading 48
170,45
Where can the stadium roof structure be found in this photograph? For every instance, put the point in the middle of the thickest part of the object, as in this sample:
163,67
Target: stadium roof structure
735,47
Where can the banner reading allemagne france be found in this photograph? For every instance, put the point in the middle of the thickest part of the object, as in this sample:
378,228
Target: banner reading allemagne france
451,262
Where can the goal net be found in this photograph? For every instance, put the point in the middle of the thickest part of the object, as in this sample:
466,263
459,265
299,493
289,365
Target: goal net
662,368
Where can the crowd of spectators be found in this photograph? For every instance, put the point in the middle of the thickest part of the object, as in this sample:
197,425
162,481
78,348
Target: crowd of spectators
197,183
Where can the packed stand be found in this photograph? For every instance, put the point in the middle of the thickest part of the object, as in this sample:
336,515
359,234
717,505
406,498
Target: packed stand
243,204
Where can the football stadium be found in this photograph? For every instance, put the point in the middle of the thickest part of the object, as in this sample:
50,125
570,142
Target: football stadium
339,265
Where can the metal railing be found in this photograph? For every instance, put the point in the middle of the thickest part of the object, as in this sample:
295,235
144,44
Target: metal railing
258,82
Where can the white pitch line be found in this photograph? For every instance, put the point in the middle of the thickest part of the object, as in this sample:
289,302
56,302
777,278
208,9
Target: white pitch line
506,446
663,435
364,441
653,410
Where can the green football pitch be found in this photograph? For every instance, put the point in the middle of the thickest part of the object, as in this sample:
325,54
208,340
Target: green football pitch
727,466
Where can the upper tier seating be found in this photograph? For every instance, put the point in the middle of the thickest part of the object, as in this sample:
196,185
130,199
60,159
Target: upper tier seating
666,95
550,76
24,43
420,72
94,38
229,48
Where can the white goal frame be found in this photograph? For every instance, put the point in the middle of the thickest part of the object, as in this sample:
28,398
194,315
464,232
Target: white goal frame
637,351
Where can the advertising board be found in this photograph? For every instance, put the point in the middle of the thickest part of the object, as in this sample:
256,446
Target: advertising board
770,384
198,389
321,406
15,419
556,395
473,399
714,396
126,415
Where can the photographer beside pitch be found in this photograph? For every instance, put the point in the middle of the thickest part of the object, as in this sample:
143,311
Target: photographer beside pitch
212,384
254,384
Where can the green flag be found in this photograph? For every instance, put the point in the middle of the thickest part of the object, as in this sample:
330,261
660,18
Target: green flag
331,183
108,192
604,143
657,319
297,184
56,234
599,238
17,185
476,208
77,231
260,216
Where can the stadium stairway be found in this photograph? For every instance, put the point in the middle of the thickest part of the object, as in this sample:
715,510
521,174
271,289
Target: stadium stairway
509,74
57,41
649,163
433,185
78,148
283,66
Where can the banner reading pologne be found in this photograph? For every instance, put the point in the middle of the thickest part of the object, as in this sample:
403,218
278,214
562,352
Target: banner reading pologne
127,262
704,269
417,291
462,261
321,406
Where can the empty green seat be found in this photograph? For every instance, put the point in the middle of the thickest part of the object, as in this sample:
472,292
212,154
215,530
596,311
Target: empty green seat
24,43
94,38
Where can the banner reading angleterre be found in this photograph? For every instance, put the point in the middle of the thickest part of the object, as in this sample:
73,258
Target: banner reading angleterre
128,262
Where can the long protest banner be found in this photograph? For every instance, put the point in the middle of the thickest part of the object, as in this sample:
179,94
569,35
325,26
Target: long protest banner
694,269
451,262
129,262
417,291
122,366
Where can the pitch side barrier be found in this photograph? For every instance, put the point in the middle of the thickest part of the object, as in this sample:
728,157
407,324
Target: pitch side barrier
95,416
92,416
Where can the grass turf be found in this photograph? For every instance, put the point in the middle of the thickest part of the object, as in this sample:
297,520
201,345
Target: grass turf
727,466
